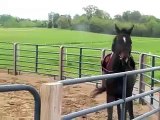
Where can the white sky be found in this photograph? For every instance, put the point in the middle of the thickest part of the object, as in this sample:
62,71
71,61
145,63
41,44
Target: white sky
39,9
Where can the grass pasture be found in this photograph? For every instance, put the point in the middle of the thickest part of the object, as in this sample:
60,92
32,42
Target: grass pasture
73,38
67,38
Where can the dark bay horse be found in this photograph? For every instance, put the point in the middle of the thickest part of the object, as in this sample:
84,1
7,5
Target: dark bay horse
120,60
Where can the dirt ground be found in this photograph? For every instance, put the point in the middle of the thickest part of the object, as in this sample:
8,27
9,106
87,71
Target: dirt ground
20,106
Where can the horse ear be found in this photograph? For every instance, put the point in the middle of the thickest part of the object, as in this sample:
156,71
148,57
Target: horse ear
117,29
130,30
113,45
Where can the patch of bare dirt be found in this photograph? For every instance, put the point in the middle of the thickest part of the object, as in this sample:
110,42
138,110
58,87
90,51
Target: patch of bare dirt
20,105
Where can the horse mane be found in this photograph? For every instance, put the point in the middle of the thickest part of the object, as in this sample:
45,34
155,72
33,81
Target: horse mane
124,31
113,43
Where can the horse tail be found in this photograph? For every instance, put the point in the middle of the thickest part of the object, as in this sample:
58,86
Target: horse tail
97,91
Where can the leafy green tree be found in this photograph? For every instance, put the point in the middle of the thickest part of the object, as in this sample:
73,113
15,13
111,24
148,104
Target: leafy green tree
64,21
80,23
134,16
118,18
50,19
102,14
125,15
55,18
90,11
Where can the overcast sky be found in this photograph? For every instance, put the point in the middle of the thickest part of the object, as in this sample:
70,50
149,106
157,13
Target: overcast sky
39,9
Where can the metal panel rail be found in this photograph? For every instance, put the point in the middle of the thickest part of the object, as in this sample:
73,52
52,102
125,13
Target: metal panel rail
61,58
106,105
117,102
80,59
6,55
37,56
20,87
106,76
149,80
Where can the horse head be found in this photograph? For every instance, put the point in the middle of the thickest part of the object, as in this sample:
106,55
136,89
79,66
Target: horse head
121,50
122,43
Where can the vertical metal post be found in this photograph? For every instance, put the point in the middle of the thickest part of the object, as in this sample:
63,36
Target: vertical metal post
61,63
36,62
141,79
32,90
15,58
123,111
159,106
80,62
103,53
152,79
102,57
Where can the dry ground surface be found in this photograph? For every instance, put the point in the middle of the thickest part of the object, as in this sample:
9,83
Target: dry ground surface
20,105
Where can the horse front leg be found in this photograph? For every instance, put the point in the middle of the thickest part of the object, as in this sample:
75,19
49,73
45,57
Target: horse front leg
110,113
130,109
110,109
119,111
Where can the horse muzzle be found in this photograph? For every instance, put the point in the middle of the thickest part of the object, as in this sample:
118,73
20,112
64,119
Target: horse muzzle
124,56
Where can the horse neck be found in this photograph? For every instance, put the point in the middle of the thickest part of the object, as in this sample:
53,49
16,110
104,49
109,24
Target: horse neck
116,64
112,61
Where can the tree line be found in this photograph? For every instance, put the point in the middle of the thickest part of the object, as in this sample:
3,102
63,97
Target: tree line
8,21
93,20
99,21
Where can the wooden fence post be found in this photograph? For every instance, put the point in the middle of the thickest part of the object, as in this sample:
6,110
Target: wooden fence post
51,101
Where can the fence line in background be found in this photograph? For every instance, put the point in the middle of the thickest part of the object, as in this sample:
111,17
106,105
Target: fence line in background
35,58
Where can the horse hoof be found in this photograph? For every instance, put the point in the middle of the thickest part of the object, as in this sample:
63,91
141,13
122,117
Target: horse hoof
92,95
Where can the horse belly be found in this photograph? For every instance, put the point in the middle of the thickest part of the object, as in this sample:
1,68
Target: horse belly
115,87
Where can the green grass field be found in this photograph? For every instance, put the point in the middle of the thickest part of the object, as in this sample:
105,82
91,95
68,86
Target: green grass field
69,38
73,38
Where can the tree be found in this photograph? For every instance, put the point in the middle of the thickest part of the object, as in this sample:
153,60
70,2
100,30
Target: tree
54,19
156,30
90,11
80,23
134,16
50,19
118,18
64,21
125,15
101,14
